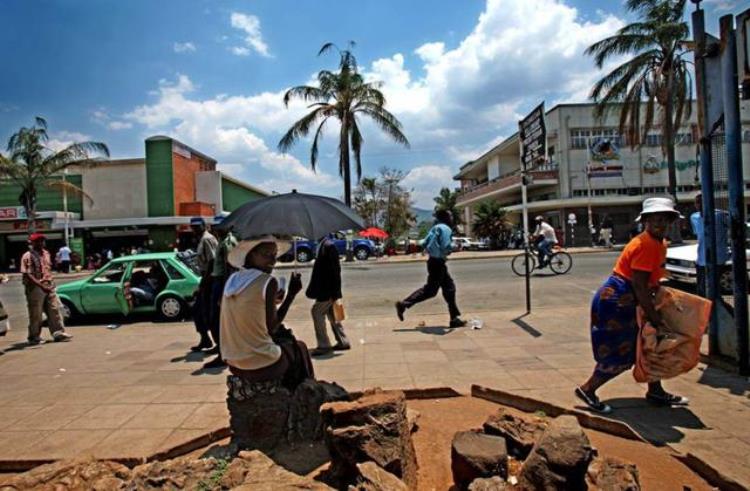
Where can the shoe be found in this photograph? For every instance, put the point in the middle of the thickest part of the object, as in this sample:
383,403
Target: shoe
62,337
593,402
457,322
212,351
321,351
36,342
341,347
204,344
400,309
215,363
667,399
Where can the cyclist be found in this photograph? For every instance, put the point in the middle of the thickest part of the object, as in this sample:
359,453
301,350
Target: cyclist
547,238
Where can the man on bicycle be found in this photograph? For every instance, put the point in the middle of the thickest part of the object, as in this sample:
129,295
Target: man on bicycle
546,233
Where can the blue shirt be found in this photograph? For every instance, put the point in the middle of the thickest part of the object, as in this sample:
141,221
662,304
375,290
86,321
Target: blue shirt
438,242
723,253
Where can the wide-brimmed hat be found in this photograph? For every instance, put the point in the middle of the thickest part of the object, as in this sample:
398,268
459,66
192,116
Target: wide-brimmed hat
658,205
238,254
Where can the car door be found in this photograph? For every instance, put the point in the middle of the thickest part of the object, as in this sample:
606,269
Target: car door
104,293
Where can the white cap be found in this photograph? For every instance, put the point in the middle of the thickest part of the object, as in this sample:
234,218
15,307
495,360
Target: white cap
658,205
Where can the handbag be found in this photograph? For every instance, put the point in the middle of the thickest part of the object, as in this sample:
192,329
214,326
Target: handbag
339,312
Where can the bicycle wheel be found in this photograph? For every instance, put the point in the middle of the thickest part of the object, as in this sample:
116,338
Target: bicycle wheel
560,262
518,265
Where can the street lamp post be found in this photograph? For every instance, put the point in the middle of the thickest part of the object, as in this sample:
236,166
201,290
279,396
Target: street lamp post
65,209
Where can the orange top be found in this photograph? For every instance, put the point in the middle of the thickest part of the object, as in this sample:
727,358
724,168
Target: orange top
643,253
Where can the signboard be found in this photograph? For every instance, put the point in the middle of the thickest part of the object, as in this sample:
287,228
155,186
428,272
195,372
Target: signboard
76,246
12,213
604,170
603,149
533,137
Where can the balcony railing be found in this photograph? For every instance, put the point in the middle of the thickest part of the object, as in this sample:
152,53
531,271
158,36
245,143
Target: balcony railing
545,172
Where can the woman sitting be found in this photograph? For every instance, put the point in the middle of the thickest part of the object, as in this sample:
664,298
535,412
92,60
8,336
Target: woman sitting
614,328
255,344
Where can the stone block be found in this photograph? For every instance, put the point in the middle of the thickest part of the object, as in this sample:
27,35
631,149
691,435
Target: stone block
520,432
476,455
372,477
489,484
612,474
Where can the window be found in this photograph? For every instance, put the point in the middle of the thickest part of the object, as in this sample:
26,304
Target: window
579,138
111,274
653,140
173,272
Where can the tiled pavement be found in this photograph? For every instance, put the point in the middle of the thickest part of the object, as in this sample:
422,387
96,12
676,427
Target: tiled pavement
132,391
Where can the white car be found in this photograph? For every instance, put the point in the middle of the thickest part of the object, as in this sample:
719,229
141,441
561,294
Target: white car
466,244
681,266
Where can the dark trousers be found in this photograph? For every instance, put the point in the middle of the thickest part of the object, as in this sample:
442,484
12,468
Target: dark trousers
65,266
700,278
217,291
202,307
438,278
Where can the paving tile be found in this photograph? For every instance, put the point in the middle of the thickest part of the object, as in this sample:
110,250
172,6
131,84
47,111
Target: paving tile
182,393
426,356
523,364
420,346
164,378
475,367
135,394
181,436
13,443
65,444
457,344
387,383
331,372
124,443
53,417
424,369
12,414
207,416
106,416
374,370
566,361
87,395
540,379
396,356
161,416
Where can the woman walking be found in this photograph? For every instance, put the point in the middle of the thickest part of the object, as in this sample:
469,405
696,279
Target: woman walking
614,328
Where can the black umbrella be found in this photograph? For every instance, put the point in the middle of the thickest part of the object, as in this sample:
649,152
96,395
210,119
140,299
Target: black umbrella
295,214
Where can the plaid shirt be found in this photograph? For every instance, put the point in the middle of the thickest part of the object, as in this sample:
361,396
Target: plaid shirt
37,265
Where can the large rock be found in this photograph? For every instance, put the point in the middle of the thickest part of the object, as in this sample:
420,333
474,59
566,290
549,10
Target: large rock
260,422
254,471
372,428
305,423
372,477
488,484
71,474
475,455
559,459
611,474
179,473
520,432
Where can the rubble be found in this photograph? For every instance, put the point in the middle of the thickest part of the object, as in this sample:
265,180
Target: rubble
520,432
611,474
475,455
372,477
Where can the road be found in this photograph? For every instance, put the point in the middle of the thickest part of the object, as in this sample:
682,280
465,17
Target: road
483,285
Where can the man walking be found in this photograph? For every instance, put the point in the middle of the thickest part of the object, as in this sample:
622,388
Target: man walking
64,253
219,274
546,233
325,289
437,245
206,253
41,298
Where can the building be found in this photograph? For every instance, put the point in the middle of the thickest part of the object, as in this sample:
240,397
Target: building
618,177
142,202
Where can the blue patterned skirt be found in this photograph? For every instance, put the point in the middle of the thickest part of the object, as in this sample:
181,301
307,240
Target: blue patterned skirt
614,329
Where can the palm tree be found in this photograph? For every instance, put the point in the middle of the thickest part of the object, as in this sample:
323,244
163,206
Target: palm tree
30,164
342,95
657,74
446,200
490,221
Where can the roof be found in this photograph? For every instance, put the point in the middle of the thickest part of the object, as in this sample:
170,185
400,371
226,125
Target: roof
245,185
192,150
150,256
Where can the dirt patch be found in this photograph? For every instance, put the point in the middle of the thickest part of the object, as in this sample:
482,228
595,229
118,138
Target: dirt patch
440,419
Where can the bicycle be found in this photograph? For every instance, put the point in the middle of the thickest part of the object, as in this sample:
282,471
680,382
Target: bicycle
560,262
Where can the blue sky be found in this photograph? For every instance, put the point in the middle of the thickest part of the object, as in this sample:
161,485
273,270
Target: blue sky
212,73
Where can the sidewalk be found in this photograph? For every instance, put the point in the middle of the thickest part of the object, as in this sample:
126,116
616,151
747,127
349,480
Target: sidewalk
134,391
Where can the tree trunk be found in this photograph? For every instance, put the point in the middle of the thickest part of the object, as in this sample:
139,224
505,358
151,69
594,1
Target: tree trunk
668,136
344,162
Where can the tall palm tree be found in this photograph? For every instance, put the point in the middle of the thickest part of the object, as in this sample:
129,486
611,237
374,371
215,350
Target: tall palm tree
344,96
657,73
490,221
446,200
30,164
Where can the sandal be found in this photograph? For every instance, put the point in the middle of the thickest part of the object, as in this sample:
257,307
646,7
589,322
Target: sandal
667,399
593,402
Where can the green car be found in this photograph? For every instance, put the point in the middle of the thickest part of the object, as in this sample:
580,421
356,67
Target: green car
163,283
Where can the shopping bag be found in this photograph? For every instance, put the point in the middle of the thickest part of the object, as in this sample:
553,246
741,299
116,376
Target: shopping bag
673,349
339,312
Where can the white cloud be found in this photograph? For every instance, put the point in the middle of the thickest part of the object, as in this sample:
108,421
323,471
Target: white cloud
425,182
186,47
239,51
62,139
250,25
119,125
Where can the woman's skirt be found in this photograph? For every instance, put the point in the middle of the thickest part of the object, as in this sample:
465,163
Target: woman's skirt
614,329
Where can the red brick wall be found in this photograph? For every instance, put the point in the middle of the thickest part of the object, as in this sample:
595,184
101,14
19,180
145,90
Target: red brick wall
183,175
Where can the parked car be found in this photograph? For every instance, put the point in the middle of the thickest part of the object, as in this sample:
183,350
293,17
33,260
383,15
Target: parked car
306,249
174,277
681,266
467,244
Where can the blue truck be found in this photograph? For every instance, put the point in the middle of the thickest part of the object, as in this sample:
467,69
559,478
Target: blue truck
362,249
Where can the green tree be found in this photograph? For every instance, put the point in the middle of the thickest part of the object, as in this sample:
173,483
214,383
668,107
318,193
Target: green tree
446,200
491,222
367,201
30,164
346,97
657,73
384,203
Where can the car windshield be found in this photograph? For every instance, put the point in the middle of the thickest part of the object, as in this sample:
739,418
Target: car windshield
189,259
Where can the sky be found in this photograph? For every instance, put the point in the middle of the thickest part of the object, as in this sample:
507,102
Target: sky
212,74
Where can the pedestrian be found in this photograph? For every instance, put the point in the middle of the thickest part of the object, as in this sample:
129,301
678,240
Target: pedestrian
437,244
4,322
205,255
723,252
606,231
614,328
219,274
325,289
41,298
64,253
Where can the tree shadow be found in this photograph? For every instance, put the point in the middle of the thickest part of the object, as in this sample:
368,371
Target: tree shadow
430,330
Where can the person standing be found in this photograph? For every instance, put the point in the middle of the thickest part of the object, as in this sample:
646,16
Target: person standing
206,253
614,327
438,245
325,289
722,241
41,298
606,231
546,233
219,274
64,253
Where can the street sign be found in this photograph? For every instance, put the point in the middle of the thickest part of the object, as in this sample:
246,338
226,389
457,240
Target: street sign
533,137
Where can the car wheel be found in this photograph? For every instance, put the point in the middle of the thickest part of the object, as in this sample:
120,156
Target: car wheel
68,311
170,308
303,256
361,253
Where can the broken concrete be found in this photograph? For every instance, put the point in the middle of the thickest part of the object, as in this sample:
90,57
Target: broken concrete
476,455
521,432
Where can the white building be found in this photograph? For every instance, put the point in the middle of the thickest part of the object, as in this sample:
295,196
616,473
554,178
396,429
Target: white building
618,184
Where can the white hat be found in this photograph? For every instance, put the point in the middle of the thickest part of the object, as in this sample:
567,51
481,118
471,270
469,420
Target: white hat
238,254
658,205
